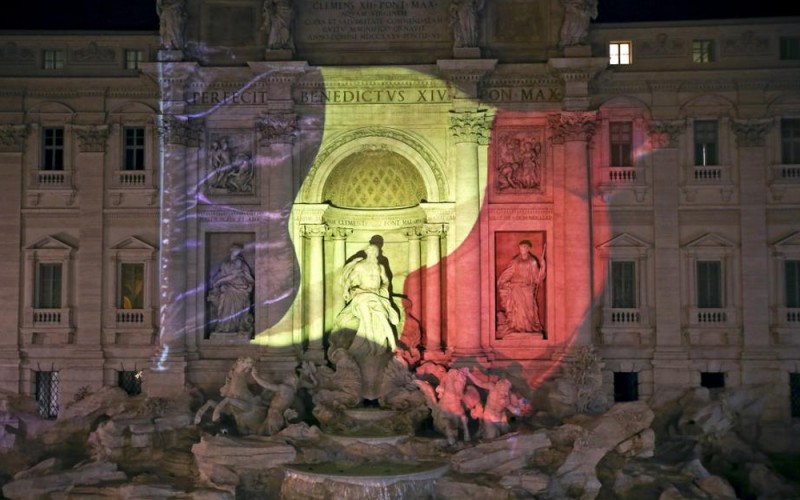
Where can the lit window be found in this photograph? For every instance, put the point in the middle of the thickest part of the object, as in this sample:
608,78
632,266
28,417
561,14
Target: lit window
791,269
623,284
52,148
619,53
709,284
134,149
626,386
131,286
705,142
790,48
790,141
48,286
702,51
621,141
53,59
133,58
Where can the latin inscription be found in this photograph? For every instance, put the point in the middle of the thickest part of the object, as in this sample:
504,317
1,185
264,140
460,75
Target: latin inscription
373,21
212,97
372,96
523,94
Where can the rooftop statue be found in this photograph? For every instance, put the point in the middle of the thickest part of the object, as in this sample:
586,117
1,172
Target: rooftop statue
577,15
172,18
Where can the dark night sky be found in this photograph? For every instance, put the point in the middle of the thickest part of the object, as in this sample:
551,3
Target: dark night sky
141,15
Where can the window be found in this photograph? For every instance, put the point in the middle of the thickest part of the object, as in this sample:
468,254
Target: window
134,148
131,286
626,386
712,380
709,284
623,284
47,393
621,138
133,58
52,148
790,141
48,286
792,275
790,48
702,51
705,142
794,393
130,382
53,59
619,53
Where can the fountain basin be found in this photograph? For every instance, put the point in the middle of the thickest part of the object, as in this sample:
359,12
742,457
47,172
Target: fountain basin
384,480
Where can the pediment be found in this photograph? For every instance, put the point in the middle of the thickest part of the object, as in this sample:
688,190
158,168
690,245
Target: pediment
624,241
50,243
710,240
133,243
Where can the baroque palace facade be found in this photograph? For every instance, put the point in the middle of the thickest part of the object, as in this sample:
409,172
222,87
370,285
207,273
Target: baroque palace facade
174,201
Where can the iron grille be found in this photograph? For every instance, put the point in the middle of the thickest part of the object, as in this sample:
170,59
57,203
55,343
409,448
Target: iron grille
47,393
130,382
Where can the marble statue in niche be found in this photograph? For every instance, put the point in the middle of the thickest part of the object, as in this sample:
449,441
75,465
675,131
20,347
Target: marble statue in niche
464,20
577,15
518,292
230,171
278,19
520,164
172,17
231,295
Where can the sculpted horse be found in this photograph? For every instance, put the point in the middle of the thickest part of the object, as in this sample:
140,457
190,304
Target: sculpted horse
247,409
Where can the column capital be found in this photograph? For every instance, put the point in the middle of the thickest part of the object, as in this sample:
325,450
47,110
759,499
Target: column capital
751,133
434,230
339,233
12,137
572,126
92,139
277,128
314,230
181,131
413,233
470,126
664,134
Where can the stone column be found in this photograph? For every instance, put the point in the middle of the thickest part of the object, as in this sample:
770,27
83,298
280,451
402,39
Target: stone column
180,138
467,128
413,284
670,360
339,236
12,146
574,131
315,311
276,260
433,290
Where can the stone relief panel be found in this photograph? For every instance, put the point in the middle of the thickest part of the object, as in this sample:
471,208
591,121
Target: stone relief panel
230,168
230,282
520,293
518,165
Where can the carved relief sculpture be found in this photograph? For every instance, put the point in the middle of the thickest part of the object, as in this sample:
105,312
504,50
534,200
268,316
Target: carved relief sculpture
464,20
519,164
577,15
230,172
230,294
278,19
518,291
172,17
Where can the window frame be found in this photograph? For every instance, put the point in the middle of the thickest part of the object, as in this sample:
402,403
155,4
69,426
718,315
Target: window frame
138,151
47,398
790,142
618,156
704,291
789,48
703,51
633,383
53,59
133,63
56,293
52,149
617,56
700,144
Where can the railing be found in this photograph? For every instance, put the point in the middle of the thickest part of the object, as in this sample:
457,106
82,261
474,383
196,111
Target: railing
136,318
52,178
622,317
789,174
711,316
622,175
789,316
713,174
132,178
51,317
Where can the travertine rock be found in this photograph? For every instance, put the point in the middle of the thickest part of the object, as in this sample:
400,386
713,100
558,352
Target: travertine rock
52,482
716,487
222,459
501,456
531,481
448,488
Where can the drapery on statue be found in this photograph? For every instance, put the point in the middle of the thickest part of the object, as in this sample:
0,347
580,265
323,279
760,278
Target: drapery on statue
366,294
464,20
230,293
518,292
172,17
278,18
577,14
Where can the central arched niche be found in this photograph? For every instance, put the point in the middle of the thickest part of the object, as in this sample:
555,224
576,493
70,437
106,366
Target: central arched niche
374,179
